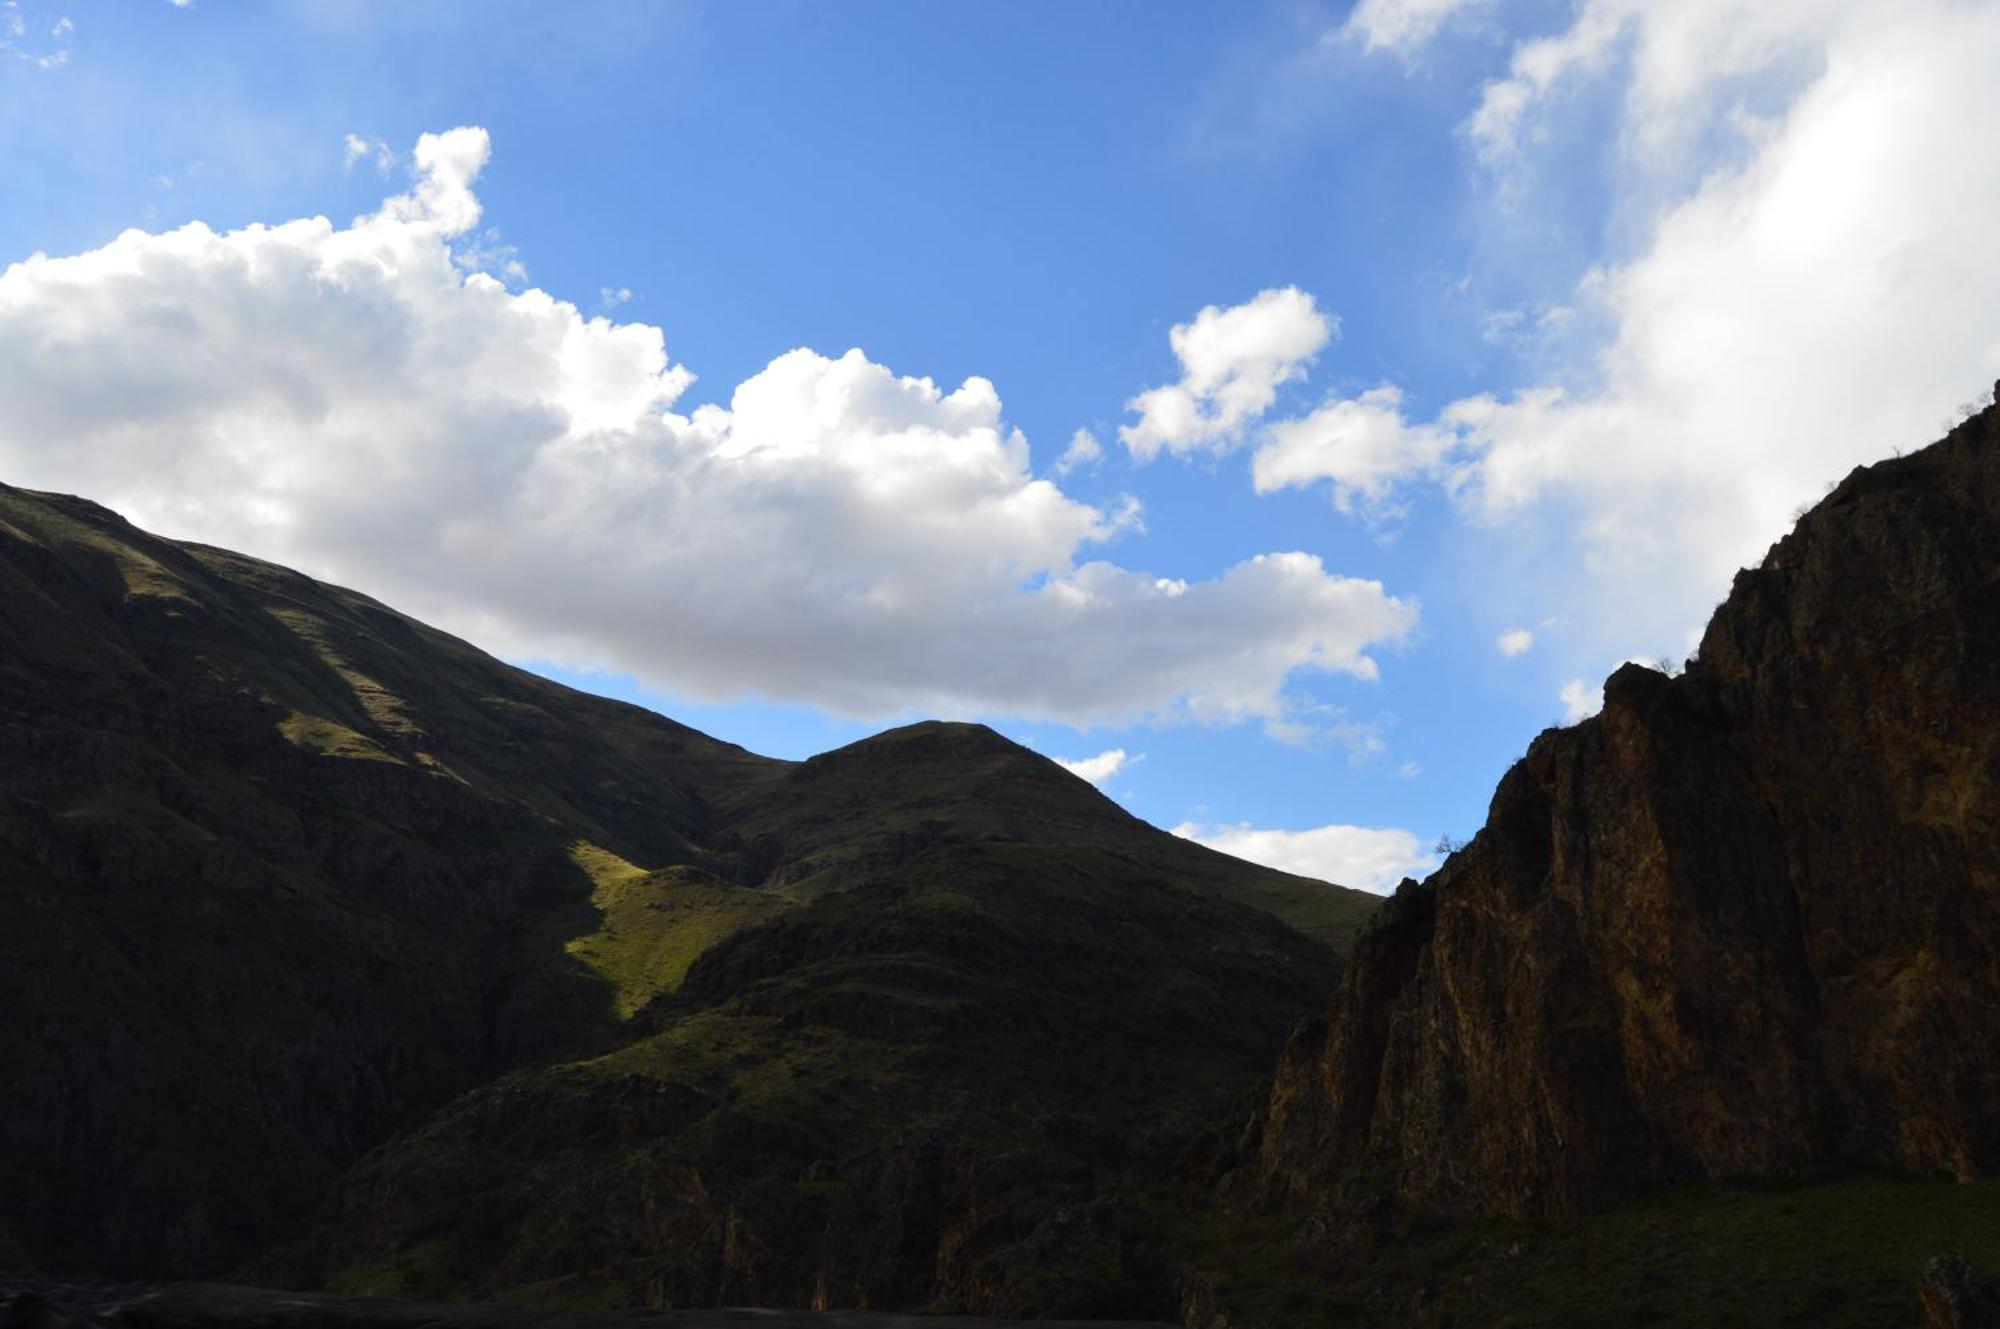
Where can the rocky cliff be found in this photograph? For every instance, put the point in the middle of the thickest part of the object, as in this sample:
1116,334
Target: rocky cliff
1744,921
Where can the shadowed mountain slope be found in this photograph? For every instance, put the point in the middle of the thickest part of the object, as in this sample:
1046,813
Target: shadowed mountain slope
1745,922
284,873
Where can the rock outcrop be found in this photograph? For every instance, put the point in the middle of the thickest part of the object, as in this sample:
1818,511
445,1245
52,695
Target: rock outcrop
1744,921
1954,1295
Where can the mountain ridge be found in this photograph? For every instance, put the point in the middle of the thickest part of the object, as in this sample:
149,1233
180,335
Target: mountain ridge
284,873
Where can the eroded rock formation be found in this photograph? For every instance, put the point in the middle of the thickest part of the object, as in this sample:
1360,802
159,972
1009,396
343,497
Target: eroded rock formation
1744,921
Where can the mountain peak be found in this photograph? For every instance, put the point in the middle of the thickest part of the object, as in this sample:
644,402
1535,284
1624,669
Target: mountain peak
288,879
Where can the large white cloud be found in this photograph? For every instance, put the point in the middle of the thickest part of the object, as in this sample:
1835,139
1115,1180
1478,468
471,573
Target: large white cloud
352,401
1365,857
1812,285
1233,362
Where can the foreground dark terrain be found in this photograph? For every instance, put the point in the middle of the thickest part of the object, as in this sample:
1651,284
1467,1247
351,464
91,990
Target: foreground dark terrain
223,1306
334,954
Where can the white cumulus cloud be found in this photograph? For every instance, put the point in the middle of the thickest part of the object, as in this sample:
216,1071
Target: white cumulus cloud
353,401
1580,699
1232,363
1099,769
1515,641
1367,858
1363,446
1809,188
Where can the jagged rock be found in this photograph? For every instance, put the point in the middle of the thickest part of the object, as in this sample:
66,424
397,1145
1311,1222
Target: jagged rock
1956,1296
1745,921
1199,1309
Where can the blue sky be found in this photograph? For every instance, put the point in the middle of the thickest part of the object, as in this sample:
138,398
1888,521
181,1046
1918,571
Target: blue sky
1600,305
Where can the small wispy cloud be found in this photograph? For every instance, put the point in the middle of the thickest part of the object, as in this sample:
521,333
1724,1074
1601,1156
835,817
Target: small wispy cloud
27,41
1083,450
358,149
488,251
1402,26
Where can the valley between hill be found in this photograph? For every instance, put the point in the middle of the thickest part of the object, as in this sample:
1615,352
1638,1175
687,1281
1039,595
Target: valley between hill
332,945
336,954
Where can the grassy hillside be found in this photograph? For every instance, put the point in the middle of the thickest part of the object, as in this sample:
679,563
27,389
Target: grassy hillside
1844,1254
286,876
942,1088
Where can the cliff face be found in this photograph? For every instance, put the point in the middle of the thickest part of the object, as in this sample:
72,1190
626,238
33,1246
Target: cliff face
1745,921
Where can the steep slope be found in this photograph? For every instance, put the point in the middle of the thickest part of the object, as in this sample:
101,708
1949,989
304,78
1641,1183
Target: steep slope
1745,921
943,1088
944,1078
270,860
283,873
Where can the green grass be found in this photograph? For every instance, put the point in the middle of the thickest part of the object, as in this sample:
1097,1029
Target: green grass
814,1078
1327,914
421,1272
143,576
1836,1254
653,925
126,805
330,738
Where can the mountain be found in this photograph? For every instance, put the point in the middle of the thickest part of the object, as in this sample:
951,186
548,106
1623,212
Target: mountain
331,945
1744,923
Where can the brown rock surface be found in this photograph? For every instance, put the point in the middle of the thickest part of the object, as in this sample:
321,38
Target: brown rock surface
1957,1296
1745,921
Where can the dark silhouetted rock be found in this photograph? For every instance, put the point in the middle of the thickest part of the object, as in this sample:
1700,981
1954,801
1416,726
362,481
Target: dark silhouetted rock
1956,1296
1746,921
